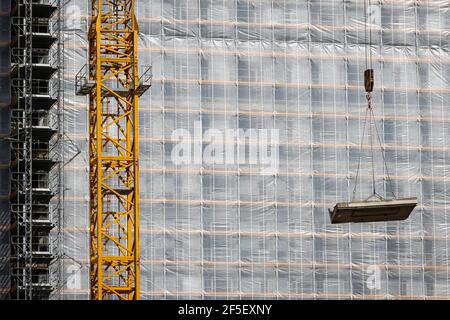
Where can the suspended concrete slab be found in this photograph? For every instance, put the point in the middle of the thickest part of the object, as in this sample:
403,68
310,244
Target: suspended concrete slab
372,211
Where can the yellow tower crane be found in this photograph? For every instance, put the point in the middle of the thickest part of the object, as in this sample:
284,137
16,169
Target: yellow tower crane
113,85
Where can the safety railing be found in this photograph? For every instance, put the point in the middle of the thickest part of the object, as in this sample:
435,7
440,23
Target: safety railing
41,212
40,150
145,80
40,180
83,85
39,56
41,25
41,119
42,87
18,26
18,55
44,118
40,279
81,77
146,75
46,87
39,244
44,180
43,150
43,56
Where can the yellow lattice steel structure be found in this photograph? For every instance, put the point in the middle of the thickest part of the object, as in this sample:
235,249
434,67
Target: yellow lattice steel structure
113,130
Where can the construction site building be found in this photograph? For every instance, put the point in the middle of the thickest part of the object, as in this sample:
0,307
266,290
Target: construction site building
237,229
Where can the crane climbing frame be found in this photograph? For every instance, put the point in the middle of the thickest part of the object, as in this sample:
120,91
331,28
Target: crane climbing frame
113,86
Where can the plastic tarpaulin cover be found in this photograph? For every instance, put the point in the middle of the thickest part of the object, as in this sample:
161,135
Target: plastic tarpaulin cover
225,230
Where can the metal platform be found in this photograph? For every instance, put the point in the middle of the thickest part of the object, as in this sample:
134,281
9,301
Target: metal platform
84,86
372,211
43,133
38,164
40,70
43,194
39,101
41,8
43,164
142,88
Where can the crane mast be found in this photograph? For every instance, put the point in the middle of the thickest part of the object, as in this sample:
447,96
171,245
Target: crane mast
114,89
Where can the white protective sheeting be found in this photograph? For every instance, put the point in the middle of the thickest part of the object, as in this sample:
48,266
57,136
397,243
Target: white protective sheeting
228,231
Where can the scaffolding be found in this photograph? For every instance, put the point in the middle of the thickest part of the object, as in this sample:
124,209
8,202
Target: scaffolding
35,138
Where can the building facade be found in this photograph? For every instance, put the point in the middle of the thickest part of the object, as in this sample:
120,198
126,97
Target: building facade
213,228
